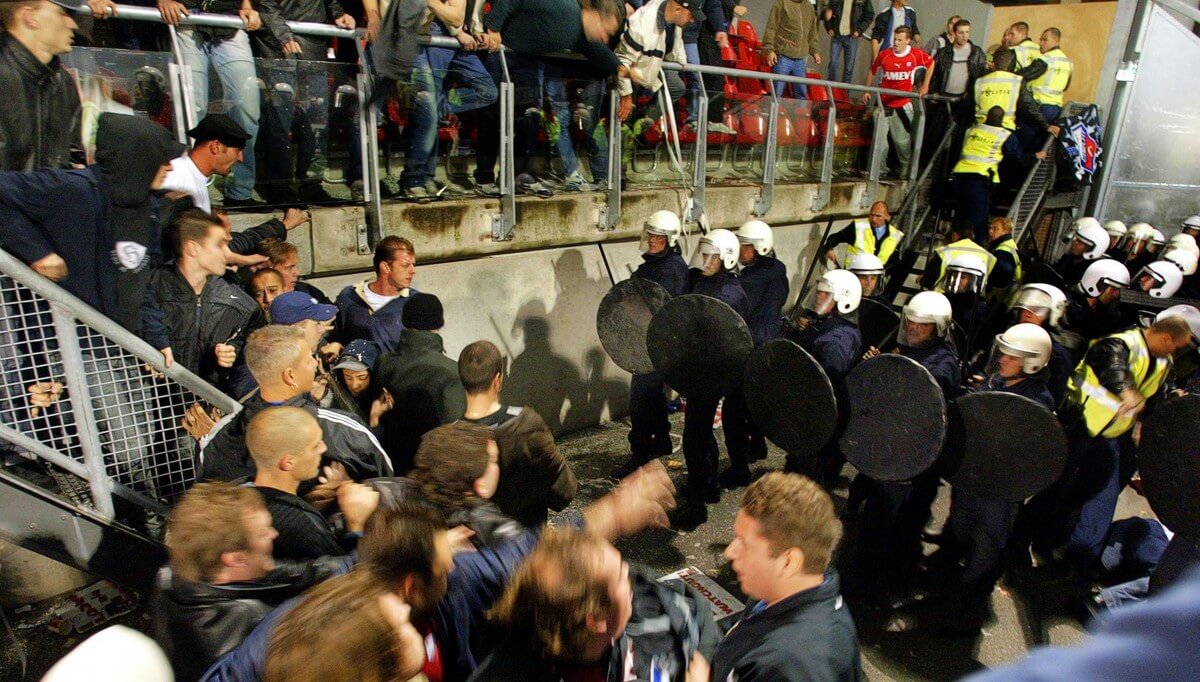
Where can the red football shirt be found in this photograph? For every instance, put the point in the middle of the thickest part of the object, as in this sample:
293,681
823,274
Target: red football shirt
898,71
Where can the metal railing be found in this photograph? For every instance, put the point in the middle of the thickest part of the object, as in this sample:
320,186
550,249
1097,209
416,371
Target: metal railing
80,392
504,221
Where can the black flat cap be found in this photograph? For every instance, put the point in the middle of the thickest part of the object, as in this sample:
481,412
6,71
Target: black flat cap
222,128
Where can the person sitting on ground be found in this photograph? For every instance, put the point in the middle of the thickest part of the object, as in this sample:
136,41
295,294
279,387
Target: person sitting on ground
282,363
409,547
799,628
348,627
222,578
581,612
529,458
373,309
286,444
421,378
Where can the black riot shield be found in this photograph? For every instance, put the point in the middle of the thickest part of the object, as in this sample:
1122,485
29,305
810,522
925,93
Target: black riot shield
1169,462
699,345
622,319
878,324
1002,446
790,397
897,418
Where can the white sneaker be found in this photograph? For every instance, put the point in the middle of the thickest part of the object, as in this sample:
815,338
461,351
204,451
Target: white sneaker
721,129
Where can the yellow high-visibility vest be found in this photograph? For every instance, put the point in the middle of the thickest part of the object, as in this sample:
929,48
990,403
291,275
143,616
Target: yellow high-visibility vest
982,151
998,89
864,241
949,251
1100,406
1026,53
1048,88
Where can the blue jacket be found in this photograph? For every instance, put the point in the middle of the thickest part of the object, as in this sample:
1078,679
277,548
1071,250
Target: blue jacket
476,582
836,344
667,270
942,362
1060,371
766,284
723,287
715,18
356,321
1033,388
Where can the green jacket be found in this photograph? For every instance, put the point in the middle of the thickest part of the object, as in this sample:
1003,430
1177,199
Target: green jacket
792,29
427,392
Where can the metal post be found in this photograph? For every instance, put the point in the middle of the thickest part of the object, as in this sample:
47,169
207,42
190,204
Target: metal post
371,229
81,407
504,221
185,79
610,213
174,78
879,145
767,195
701,156
821,200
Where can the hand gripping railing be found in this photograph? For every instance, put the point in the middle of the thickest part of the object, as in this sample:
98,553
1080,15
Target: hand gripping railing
80,392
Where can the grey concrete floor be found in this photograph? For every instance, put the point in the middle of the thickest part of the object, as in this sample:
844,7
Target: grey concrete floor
1030,606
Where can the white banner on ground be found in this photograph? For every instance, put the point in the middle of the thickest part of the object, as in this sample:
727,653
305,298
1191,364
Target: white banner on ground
723,603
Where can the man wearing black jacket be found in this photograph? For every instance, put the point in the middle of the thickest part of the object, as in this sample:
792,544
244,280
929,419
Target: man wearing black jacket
845,21
39,126
207,318
222,579
799,628
955,68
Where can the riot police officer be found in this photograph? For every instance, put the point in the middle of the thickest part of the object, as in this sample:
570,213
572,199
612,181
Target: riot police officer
650,430
1087,241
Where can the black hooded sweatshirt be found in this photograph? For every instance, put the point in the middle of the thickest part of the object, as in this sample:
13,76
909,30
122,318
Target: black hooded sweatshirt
129,152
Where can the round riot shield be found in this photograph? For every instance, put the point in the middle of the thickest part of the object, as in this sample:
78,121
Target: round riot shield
622,320
699,345
1169,462
896,418
789,397
878,324
1038,272
1002,446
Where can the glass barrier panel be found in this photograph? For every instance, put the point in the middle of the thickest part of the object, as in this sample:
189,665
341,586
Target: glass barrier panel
799,142
122,82
648,153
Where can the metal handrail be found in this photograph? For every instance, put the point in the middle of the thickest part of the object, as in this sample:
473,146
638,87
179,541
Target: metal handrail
304,28
914,189
1014,210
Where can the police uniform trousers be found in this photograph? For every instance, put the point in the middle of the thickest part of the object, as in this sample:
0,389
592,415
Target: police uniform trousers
888,548
974,194
650,429
978,531
700,449
740,431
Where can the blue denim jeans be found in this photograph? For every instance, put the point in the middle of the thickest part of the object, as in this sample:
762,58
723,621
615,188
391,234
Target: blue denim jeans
429,71
786,66
692,50
555,87
234,63
842,50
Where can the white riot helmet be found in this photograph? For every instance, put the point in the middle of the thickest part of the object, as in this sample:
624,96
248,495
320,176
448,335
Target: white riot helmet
1184,241
1044,300
1139,235
926,307
965,273
757,233
1103,274
721,244
1189,315
1186,260
661,223
1163,278
844,289
1158,238
1028,342
866,264
1191,224
1089,232
1116,231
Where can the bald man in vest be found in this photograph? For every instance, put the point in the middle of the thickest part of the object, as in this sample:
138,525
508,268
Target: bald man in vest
874,234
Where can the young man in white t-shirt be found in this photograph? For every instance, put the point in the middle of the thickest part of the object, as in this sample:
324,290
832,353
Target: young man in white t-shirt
372,309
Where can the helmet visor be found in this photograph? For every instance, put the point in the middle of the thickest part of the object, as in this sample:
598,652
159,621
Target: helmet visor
961,282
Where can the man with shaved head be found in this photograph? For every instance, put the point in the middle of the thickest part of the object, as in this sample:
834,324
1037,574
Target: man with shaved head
874,234
286,444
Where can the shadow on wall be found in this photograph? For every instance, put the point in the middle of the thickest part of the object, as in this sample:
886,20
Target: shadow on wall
543,376
803,261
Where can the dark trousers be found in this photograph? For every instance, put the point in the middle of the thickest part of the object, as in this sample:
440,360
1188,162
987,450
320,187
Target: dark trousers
1032,137
487,121
885,558
739,429
1096,489
974,192
710,55
650,430
978,531
297,88
822,466
700,449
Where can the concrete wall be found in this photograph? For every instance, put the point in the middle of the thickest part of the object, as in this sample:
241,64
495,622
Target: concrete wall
1085,28
540,307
